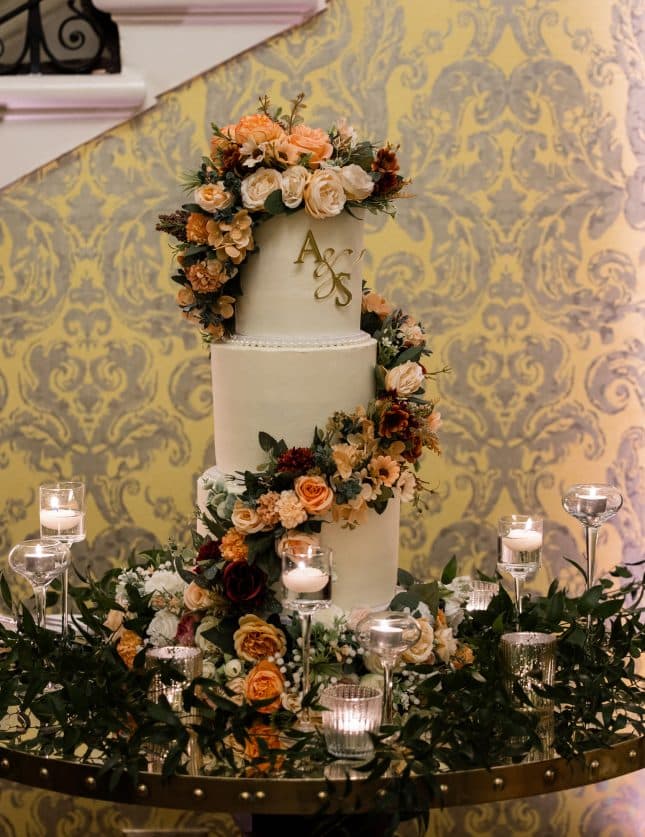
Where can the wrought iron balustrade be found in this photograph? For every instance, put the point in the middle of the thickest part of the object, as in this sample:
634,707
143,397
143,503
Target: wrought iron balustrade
57,36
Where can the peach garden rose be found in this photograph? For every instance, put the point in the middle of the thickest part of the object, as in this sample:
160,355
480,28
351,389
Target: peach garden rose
314,494
324,194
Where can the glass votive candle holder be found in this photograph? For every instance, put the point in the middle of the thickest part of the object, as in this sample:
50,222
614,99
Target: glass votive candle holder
350,714
481,594
187,661
528,659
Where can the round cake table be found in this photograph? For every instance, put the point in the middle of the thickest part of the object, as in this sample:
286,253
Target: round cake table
365,803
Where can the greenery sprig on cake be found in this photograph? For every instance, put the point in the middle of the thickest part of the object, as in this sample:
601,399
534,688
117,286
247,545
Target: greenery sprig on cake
266,164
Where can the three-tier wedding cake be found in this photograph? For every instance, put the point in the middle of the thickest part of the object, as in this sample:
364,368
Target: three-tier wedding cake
319,409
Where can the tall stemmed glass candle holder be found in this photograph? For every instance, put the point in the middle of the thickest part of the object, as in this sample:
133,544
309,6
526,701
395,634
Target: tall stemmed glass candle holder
40,562
591,504
519,547
386,635
62,516
306,581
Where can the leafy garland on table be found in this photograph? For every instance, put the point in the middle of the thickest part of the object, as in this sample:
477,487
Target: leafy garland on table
103,710
268,163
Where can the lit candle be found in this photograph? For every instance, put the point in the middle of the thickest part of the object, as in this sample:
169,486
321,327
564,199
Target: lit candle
33,559
522,540
354,722
386,637
60,520
592,503
303,579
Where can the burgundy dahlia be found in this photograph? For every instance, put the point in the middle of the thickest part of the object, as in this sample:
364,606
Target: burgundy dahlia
296,460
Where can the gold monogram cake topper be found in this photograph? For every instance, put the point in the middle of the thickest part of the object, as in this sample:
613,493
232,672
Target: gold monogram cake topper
331,281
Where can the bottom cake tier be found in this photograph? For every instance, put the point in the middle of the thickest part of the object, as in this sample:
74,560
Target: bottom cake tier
365,558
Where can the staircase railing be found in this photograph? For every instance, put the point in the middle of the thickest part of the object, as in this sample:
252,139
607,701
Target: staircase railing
57,37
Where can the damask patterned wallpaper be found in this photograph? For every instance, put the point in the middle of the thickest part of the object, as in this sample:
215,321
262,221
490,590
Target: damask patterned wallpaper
521,125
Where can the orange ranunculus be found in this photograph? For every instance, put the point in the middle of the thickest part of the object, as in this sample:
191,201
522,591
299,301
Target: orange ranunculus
256,639
312,141
196,228
264,682
314,494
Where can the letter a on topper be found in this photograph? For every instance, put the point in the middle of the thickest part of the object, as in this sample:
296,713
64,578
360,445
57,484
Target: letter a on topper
309,248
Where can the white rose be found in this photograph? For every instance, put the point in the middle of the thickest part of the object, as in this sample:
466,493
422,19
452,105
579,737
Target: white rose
201,642
372,681
163,628
293,185
164,581
327,616
257,187
357,183
233,668
405,379
407,485
245,519
324,194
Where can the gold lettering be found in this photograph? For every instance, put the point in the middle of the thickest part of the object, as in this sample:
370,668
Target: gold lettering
309,248
331,282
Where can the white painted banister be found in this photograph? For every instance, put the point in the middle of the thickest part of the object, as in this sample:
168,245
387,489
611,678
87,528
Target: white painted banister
163,44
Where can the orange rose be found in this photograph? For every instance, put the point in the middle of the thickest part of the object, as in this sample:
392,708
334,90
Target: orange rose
256,639
314,494
258,128
264,682
270,739
312,141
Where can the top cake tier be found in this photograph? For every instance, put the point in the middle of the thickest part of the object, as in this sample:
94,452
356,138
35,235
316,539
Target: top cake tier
303,283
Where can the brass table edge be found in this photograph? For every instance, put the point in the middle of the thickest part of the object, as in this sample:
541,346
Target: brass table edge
308,795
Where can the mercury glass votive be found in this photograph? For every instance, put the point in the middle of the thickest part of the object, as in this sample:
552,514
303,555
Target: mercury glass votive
187,661
350,713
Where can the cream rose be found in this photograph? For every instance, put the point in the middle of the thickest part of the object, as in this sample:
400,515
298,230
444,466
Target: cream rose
407,485
357,183
421,651
405,379
257,187
324,194
196,597
245,519
256,639
314,494
212,197
114,622
293,185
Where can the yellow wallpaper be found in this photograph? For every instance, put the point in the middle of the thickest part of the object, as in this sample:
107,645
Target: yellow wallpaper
519,122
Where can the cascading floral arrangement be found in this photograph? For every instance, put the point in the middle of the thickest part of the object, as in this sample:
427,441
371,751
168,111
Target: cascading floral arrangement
268,163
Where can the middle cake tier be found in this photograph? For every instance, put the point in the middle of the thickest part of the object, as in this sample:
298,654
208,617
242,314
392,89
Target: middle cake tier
283,390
